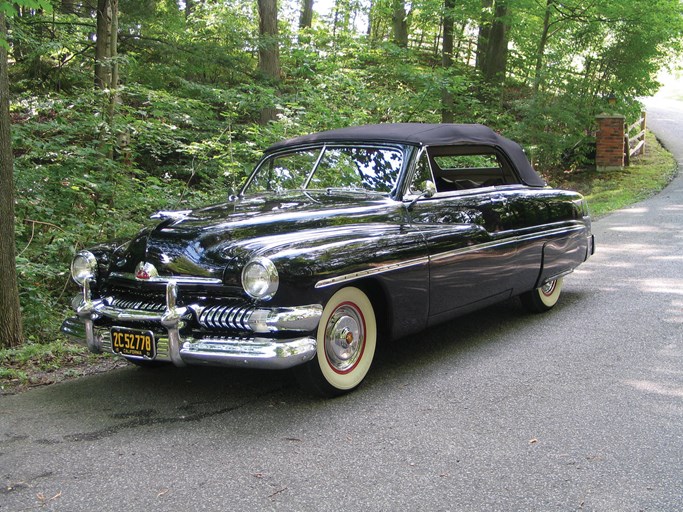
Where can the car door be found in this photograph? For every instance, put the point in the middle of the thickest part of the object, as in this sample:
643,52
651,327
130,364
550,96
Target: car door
471,251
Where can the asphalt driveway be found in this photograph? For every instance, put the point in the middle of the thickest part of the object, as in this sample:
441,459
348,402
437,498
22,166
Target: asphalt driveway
577,409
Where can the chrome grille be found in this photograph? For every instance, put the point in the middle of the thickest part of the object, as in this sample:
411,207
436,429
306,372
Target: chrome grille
226,317
138,305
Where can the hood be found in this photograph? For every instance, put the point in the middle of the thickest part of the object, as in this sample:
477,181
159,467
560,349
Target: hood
203,242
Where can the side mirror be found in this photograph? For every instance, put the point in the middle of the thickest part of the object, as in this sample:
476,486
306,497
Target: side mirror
429,189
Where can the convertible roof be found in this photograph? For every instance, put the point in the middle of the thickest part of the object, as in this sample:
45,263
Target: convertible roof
424,135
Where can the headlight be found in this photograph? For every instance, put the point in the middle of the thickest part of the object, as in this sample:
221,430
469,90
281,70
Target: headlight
83,267
260,279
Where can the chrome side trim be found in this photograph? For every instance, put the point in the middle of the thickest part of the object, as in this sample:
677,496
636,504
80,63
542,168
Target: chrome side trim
167,279
556,277
447,254
507,241
372,271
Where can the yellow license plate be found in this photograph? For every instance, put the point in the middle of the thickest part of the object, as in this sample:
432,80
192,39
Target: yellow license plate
133,343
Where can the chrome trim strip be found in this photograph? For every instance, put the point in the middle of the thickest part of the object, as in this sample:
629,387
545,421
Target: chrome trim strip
161,279
507,241
556,276
371,271
448,254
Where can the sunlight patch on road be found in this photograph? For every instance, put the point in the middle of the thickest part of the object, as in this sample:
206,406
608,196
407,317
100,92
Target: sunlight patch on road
666,258
656,388
662,285
638,229
642,209
640,250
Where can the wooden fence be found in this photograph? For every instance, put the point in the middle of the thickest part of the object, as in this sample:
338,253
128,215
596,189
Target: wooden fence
634,145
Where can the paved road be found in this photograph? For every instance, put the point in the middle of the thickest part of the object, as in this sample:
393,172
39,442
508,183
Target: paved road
578,409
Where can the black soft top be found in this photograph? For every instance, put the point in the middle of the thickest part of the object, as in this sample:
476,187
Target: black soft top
424,135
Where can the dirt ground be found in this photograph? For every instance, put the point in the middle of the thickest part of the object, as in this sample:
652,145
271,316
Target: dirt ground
69,370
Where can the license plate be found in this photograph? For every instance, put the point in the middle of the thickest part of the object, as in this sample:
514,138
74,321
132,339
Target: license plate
133,343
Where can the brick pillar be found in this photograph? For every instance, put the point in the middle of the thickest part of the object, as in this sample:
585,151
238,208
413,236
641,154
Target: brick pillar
609,154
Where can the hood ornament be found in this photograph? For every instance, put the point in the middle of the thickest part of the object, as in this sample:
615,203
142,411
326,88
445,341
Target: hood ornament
145,271
170,214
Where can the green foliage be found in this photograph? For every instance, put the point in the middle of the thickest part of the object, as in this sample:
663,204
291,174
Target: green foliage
609,191
185,129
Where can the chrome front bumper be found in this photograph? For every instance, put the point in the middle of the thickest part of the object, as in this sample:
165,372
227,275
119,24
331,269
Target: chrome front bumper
255,352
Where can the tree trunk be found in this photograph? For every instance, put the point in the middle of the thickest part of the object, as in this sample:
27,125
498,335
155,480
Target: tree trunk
10,313
538,71
114,66
68,6
495,60
447,61
484,33
306,19
399,20
269,52
103,45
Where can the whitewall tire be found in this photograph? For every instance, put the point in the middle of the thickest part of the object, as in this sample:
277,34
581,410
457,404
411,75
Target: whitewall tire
544,298
346,343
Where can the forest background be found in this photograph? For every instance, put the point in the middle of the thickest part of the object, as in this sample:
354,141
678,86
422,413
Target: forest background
120,108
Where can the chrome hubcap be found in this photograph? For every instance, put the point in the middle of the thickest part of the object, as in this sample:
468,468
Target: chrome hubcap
548,288
344,338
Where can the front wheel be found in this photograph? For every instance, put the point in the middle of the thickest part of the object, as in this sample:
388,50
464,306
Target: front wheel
542,299
346,341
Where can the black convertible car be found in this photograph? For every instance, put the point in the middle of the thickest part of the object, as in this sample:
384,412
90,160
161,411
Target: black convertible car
337,240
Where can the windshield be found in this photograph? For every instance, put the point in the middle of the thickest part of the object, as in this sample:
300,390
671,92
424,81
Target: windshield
373,169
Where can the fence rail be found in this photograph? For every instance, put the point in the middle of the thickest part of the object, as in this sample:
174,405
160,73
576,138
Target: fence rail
634,145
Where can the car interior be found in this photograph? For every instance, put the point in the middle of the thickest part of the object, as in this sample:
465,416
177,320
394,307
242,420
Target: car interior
468,168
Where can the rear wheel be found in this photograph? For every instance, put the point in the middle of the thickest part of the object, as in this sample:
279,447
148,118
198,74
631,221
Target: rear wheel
544,298
346,342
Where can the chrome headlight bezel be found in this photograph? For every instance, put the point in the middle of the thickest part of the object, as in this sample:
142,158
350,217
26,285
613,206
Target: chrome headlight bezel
83,266
260,279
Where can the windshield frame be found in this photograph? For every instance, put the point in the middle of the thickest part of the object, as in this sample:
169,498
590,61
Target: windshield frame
405,150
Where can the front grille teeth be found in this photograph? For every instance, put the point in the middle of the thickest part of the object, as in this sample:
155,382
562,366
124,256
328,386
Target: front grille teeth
138,305
219,317
226,317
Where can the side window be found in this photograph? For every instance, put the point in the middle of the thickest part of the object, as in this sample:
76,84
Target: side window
422,174
458,168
